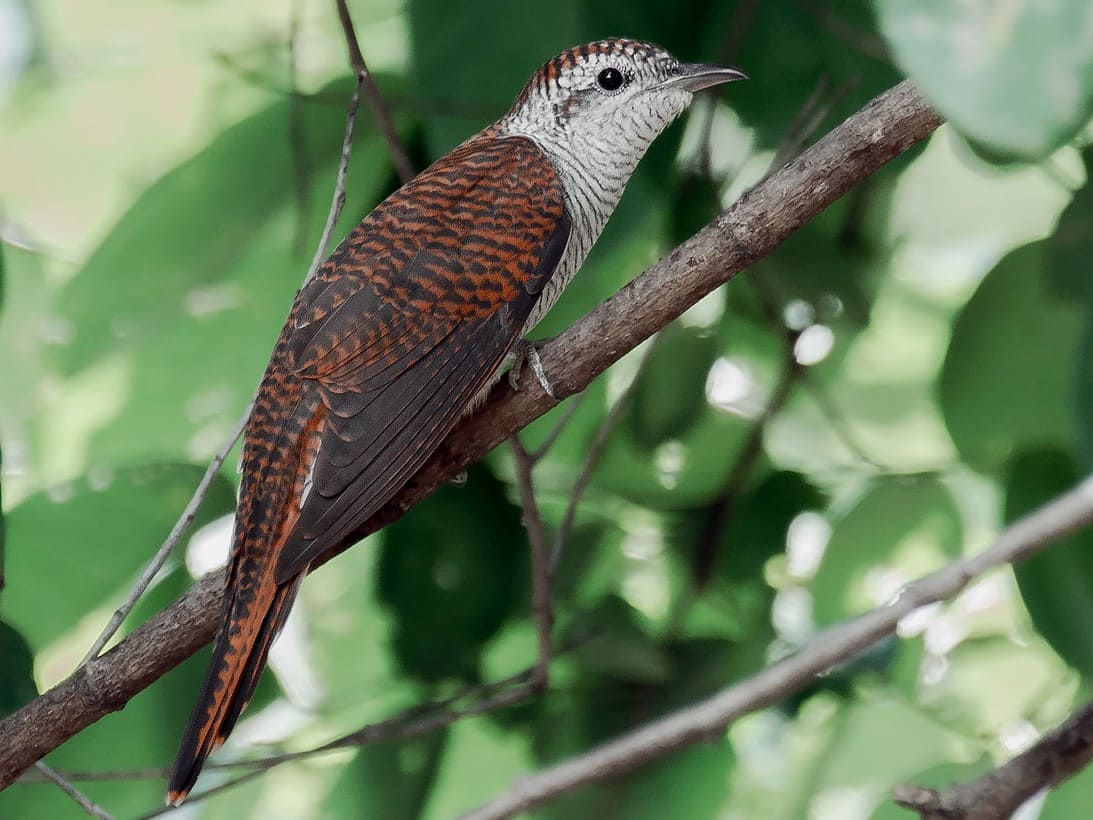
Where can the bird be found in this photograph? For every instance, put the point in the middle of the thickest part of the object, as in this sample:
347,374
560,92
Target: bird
409,321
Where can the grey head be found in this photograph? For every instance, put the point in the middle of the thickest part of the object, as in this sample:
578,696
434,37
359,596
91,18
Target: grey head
616,93
595,110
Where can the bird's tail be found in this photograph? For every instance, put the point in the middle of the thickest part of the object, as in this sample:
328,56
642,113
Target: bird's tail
255,614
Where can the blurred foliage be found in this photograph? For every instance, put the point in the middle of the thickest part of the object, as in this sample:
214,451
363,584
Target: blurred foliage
909,372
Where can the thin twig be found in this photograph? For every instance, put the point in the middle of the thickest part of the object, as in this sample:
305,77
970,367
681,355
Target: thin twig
838,423
82,799
179,529
202,490
374,98
1059,518
862,40
592,458
541,575
337,201
413,722
808,119
567,414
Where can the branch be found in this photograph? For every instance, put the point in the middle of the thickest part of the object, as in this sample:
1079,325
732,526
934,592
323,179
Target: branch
82,800
710,717
177,531
592,459
1059,754
747,232
373,97
541,581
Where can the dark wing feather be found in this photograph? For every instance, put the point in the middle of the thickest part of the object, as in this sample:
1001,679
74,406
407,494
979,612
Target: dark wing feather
398,360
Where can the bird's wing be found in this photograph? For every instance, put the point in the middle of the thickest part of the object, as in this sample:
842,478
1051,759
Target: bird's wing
398,355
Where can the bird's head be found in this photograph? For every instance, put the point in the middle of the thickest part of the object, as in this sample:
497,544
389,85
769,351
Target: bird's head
614,91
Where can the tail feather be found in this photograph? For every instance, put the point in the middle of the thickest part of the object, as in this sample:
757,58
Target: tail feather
239,655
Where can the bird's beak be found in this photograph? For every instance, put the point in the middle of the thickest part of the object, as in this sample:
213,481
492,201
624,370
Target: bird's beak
697,76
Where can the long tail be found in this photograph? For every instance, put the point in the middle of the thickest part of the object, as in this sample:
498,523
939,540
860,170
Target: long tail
256,613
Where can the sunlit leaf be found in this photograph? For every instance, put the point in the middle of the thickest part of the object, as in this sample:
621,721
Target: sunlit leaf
898,530
974,62
602,709
193,226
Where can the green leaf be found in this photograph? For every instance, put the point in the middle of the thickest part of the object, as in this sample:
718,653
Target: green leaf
3,525
17,686
452,572
1083,404
476,61
680,474
70,549
833,263
1070,799
1007,380
1057,584
759,528
1070,248
608,641
184,385
1070,259
672,392
388,781
789,54
192,227
1016,77
697,778
599,709
900,529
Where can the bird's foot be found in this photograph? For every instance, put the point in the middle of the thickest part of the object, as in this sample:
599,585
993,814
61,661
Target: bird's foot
458,480
526,351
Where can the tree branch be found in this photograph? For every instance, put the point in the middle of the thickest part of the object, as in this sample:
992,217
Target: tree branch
710,717
1059,754
750,230
542,605
82,800
373,97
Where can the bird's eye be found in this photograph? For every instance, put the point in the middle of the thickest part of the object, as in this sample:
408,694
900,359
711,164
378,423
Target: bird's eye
610,79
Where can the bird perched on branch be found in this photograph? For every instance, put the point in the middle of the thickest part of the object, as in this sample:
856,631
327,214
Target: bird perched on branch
410,319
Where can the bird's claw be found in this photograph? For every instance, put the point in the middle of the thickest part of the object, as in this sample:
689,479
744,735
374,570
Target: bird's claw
527,352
